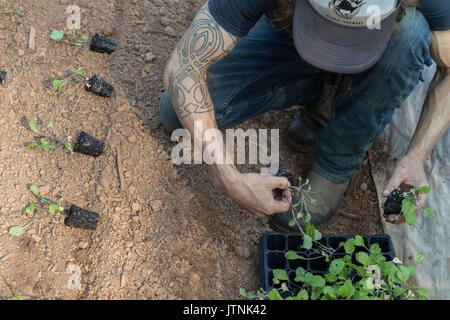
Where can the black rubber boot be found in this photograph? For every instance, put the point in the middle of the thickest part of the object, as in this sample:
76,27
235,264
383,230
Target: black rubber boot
329,197
309,121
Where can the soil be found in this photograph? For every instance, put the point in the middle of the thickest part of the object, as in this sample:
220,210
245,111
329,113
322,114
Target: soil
165,232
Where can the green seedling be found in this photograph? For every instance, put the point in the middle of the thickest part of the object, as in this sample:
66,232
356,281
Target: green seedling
5,9
17,231
54,209
72,37
76,77
47,143
379,279
409,200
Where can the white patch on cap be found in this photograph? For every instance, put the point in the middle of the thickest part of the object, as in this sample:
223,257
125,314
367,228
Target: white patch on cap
353,13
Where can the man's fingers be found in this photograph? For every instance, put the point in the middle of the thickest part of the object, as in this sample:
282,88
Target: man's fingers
287,195
395,218
278,182
421,198
277,206
393,184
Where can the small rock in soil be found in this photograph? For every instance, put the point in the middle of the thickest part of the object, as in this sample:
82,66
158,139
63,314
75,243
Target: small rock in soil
135,206
149,57
393,204
243,251
81,218
99,87
2,76
102,44
156,205
88,145
363,186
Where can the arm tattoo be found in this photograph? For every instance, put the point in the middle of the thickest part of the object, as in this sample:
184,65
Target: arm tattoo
203,44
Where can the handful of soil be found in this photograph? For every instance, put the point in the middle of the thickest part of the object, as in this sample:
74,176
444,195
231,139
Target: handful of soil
100,43
88,145
393,204
283,172
98,86
2,76
81,218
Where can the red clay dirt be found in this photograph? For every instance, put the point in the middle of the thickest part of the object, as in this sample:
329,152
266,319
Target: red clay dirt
165,232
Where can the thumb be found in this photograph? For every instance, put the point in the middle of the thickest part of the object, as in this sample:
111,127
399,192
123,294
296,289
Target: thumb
393,183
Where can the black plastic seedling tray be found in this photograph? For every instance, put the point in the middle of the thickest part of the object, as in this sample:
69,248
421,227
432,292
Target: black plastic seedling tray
274,245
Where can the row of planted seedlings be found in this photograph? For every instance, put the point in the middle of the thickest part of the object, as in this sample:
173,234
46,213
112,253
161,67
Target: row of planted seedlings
46,138
312,266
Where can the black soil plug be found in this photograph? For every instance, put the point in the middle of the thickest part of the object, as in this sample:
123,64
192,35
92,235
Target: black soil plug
283,172
2,76
102,44
88,145
99,86
393,204
81,218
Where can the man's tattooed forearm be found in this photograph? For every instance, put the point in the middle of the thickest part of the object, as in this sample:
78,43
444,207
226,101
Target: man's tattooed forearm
203,44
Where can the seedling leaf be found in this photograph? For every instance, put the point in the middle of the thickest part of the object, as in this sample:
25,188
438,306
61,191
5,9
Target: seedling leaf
16,231
33,125
35,190
30,209
428,213
418,258
57,35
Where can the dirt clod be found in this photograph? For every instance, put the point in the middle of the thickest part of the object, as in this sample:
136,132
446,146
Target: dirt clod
99,87
243,251
88,145
156,205
393,204
102,44
363,186
81,218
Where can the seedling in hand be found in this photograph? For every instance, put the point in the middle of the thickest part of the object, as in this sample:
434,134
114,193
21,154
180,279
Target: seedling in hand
400,202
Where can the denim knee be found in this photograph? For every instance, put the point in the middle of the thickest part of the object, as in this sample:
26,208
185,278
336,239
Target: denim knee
167,115
409,49
413,36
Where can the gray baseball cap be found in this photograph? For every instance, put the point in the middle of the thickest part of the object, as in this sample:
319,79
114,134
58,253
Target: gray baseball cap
343,36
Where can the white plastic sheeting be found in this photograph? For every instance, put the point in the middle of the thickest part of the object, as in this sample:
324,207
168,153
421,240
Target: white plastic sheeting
430,236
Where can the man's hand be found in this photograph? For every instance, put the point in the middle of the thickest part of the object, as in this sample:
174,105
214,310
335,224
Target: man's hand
409,172
254,192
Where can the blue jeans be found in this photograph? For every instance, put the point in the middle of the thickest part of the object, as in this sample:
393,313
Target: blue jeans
264,72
